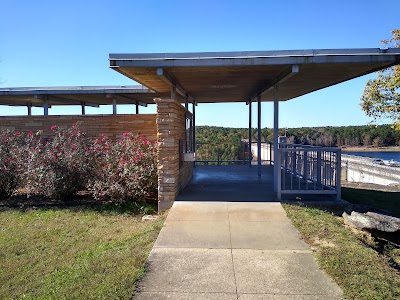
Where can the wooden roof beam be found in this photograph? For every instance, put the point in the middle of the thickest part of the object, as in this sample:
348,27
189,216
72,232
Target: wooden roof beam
282,77
63,100
27,104
126,99
70,101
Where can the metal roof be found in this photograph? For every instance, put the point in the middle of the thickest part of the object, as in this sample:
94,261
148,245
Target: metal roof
76,95
242,76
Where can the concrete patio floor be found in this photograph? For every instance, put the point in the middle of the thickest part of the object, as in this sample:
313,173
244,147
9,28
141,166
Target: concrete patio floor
230,183
232,250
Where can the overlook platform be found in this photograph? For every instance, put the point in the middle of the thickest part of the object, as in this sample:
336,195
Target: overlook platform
238,183
233,183
230,183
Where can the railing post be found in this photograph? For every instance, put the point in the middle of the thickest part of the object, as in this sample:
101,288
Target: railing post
305,167
279,176
283,160
244,152
294,161
270,152
319,152
338,174
286,160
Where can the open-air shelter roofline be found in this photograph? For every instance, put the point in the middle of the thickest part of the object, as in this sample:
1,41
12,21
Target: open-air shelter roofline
252,54
77,95
242,76
210,77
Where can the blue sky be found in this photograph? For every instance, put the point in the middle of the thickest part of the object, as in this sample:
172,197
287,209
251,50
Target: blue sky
62,43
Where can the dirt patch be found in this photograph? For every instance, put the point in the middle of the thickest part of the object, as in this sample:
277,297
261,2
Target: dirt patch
323,243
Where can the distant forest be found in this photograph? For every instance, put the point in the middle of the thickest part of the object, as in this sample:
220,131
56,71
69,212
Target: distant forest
377,136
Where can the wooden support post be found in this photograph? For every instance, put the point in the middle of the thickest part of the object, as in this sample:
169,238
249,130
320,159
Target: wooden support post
250,133
114,106
276,146
45,107
259,136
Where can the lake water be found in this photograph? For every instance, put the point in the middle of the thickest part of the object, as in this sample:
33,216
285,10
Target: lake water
382,155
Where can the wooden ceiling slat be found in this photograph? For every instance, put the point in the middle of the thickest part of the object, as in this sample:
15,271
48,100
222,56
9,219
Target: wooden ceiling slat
238,83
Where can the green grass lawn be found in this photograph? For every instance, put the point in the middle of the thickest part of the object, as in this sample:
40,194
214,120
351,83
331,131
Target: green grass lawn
78,253
386,200
346,255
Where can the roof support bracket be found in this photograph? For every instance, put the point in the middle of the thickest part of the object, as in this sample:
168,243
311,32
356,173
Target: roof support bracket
171,81
126,99
285,75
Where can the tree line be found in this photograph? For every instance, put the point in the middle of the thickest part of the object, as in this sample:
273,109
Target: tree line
367,135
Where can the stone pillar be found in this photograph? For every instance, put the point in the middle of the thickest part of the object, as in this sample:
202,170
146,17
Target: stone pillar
173,174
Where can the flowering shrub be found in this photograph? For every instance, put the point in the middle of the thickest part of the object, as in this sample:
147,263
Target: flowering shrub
10,162
61,166
126,169
67,162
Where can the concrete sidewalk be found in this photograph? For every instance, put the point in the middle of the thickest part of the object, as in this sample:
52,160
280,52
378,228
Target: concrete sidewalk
232,250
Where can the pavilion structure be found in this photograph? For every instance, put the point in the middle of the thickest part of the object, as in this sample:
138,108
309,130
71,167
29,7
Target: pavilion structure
220,77
176,80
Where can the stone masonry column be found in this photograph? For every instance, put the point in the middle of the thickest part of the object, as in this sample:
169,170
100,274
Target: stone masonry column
170,129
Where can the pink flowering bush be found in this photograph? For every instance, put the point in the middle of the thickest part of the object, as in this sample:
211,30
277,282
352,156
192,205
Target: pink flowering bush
66,163
11,155
59,166
126,169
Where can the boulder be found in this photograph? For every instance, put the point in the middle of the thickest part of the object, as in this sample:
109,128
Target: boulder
372,221
385,223
149,218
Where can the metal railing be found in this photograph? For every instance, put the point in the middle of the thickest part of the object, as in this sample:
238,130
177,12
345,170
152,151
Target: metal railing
267,151
222,153
308,170
233,153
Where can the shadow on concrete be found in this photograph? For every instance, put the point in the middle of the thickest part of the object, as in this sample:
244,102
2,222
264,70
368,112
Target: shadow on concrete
230,183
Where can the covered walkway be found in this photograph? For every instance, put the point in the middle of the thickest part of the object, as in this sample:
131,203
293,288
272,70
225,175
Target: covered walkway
230,183
232,250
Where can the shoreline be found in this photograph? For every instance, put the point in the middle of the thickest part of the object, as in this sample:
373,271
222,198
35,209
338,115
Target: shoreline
370,149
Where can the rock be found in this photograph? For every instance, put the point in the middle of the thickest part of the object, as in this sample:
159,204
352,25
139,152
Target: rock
372,221
149,217
385,223
358,220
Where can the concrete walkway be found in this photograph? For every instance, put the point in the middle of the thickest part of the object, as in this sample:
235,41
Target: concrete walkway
232,250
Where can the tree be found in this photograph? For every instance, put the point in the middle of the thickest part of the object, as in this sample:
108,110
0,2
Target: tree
381,97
